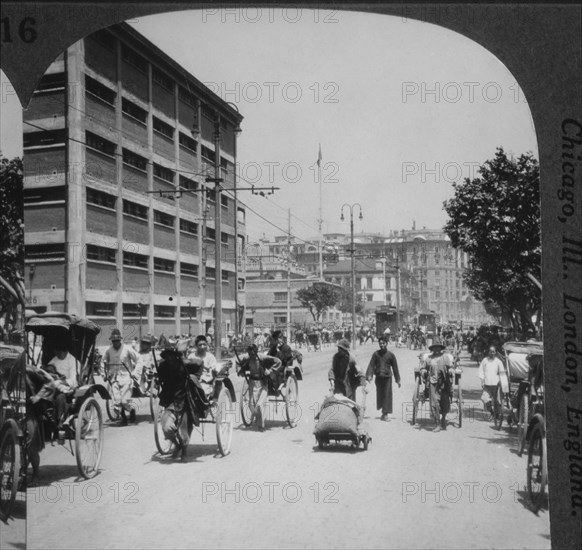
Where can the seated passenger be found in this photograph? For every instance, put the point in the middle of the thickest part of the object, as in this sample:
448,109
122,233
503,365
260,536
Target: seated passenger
62,368
210,367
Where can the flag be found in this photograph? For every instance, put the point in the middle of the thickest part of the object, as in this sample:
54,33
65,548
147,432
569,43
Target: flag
319,157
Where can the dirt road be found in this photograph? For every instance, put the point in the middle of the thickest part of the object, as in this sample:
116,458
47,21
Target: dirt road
461,488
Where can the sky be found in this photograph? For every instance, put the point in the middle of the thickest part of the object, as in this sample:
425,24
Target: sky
400,108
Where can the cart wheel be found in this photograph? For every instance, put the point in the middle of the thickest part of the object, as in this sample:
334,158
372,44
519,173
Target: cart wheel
365,441
291,407
89,438
164,446
498,408
224,421
9,469
320,442
415,400
153,401
537,466
522,422
112,413
460,405
245,403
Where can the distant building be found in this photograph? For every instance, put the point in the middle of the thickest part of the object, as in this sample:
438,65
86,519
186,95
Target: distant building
267,289
421,263
110,124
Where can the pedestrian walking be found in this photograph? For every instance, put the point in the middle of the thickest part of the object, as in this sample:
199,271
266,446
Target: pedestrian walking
383,366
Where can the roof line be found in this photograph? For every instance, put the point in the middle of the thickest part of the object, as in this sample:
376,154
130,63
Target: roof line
124,28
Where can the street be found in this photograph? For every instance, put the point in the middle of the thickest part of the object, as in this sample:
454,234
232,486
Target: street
460,488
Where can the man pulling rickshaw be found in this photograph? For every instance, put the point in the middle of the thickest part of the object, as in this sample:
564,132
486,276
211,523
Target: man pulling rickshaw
435,371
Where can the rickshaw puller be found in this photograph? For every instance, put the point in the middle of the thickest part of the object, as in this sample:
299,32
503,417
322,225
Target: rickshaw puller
436,371
344,375
120,360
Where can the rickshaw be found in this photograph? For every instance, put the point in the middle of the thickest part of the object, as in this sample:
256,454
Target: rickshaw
287,395
421,393
512,400
84,419
12,427
219,412
532,406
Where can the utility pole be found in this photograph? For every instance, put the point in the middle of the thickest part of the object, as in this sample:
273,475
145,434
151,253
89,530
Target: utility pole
289,277
217,244
397,293
352,250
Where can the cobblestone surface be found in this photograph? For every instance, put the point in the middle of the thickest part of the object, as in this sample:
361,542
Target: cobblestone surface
461,488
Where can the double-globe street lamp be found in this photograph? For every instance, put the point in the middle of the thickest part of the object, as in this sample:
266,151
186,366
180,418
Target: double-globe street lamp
352,250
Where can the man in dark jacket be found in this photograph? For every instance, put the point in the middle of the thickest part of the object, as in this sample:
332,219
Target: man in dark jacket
383,366
282,351
344,375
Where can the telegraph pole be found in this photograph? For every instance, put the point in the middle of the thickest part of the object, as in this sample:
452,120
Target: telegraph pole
289,277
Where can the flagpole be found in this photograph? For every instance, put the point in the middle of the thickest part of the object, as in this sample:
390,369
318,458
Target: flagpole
320,216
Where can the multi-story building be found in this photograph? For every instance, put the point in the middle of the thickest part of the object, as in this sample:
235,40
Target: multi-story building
269,283
418,264
108,146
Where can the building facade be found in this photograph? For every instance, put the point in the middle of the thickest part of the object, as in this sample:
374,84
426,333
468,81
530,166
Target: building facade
417,267
119,215
269,283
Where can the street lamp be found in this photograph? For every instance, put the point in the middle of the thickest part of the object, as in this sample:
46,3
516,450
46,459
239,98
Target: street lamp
351,208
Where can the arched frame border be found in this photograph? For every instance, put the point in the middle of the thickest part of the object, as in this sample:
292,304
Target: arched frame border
541,46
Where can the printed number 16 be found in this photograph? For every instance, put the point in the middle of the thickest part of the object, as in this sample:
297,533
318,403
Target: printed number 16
26,30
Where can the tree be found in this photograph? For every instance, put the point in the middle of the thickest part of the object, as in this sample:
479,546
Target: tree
495,218
317,298
12,295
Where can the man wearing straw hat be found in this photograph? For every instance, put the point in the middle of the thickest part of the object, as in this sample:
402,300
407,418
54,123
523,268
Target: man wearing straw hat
436,370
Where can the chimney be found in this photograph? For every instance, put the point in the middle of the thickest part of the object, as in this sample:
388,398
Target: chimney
413,225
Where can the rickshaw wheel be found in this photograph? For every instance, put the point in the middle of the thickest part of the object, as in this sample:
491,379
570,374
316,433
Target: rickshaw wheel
164,446
291,391
245,403
153,401
89,438
111,412
224,421
537,466
415,400
522,422
498,409
460,406
9,470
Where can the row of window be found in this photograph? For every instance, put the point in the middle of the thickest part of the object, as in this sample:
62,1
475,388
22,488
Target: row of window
100,198
132,259
108,309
